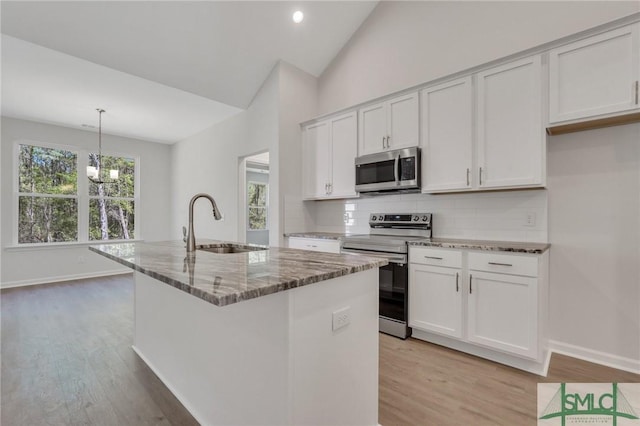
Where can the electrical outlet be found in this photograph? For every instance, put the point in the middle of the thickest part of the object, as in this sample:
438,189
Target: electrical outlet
341,318
530,219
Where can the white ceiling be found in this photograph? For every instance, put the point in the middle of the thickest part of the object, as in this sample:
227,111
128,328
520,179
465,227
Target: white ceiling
163,70
45,85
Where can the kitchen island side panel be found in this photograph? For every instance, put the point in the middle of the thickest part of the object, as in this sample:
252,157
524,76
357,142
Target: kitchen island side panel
271,360
227,365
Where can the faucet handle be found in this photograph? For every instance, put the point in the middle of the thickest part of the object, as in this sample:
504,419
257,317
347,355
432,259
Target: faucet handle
184,234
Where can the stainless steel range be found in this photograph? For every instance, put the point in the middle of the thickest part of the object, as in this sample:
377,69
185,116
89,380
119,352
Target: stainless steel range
388,237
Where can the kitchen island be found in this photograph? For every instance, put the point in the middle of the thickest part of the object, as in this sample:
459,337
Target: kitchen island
244,336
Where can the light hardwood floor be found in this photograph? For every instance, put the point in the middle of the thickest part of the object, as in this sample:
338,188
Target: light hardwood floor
67,360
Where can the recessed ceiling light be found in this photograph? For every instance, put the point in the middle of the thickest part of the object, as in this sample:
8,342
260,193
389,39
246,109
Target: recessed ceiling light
298,16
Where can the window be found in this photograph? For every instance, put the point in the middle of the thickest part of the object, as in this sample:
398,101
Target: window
111,206
57,203
48,195
257,194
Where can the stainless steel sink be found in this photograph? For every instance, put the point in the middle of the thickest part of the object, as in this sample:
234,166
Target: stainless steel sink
229,248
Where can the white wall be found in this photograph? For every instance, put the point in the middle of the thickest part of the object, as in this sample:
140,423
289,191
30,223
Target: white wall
208,162
403,44
594,229
298,94
37,265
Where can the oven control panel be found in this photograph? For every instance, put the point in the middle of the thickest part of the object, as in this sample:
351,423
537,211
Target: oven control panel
403,218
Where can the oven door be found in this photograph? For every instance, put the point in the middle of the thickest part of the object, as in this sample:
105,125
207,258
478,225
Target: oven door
393,288
386,171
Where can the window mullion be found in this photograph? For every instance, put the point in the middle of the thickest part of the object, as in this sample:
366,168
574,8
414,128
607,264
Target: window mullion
83,197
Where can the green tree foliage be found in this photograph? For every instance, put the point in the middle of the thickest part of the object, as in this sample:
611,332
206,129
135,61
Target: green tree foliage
48,197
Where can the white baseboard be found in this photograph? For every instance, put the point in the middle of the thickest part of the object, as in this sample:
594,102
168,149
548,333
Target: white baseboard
597,357
178,396
48,280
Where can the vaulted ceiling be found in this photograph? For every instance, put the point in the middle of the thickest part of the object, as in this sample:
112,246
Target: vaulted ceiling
192,63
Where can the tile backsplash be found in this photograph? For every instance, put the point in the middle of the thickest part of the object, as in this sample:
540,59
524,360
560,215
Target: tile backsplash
508,216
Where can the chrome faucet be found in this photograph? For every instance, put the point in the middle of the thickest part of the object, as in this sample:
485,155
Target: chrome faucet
191,238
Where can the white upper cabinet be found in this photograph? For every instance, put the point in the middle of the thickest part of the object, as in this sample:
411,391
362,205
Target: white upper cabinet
447,136
392,124
344,147
329,151
316,154
373,129
595,76
509,133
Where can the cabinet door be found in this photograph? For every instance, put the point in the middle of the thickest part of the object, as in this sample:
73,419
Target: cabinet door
435,299
316,160
446,119
403,122
373,129
344,146
510,137
595,76
502,312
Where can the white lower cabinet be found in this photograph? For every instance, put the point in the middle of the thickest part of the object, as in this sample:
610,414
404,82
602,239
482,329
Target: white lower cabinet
490,304
502,312
435,302
314,244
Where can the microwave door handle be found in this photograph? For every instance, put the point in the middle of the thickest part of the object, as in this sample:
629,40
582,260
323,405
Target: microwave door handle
396,172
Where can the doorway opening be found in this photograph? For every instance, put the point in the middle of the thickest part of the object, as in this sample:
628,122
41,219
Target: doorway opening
255,199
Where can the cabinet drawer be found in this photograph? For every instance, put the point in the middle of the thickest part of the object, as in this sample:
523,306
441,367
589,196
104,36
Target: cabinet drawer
435,257
504,263
313,244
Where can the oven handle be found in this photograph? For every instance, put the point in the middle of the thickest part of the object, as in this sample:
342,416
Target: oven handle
397,258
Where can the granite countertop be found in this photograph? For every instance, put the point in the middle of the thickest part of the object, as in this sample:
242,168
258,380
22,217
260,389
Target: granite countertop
223,279
319,235
509,246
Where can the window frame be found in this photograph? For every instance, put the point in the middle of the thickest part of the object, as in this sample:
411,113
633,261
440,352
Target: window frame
82,196
266,206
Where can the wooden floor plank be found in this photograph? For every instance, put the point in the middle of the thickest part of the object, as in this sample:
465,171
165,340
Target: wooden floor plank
67,360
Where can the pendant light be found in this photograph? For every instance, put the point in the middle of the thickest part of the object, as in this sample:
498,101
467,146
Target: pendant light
95,173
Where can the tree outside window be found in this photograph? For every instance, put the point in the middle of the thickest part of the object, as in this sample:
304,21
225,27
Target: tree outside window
257,196
112,205
53,203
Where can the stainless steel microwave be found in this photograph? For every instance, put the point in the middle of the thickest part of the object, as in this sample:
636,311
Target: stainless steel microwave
389,171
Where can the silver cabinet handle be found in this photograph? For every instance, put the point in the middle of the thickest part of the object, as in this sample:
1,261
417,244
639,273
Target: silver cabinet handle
637,83
384,138
480,176
500,264
309,245
457,286
330,188
470,285
468,176
433,257
388,139
326,188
